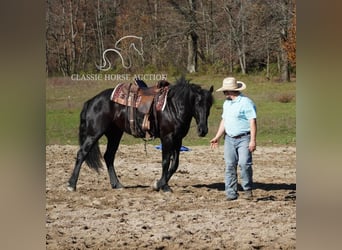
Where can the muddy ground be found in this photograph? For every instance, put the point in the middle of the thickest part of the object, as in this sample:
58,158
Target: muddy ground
194,216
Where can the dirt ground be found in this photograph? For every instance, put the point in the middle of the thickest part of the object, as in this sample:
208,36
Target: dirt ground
195,215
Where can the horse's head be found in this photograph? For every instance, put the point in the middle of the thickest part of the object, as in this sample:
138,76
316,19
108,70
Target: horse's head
189,101
203,102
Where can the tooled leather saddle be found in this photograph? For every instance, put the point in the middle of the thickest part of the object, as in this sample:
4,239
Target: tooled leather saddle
139,97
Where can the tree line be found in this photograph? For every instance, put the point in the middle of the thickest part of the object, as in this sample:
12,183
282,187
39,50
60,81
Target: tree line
221,36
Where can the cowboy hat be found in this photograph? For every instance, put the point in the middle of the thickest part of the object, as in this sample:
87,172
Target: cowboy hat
231,84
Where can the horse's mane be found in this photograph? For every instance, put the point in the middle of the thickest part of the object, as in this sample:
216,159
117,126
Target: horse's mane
183,86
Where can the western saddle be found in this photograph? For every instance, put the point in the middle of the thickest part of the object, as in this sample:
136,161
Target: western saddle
138,96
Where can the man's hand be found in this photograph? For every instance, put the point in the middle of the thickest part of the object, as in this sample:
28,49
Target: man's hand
252,146
214,143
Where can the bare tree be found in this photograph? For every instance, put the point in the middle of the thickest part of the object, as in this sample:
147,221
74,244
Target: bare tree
236,19
283,15
189,13
224,35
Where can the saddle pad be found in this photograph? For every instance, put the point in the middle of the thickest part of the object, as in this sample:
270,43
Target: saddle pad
162,98
123,95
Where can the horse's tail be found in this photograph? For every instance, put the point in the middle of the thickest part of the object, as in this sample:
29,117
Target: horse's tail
93,158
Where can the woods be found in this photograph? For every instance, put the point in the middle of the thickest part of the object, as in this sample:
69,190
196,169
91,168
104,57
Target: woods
223,36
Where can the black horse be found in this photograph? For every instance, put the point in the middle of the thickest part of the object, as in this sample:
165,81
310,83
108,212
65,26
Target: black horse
101,116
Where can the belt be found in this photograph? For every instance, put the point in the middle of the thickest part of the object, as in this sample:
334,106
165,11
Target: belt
240,135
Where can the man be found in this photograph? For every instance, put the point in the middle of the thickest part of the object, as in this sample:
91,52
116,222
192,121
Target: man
239,126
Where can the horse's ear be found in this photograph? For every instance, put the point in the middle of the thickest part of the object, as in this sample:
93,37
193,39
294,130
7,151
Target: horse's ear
211,89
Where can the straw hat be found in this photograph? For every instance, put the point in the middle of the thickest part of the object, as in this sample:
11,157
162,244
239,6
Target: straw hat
231,84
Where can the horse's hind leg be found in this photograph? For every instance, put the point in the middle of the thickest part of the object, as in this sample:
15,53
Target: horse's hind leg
74,176
81,155
114,137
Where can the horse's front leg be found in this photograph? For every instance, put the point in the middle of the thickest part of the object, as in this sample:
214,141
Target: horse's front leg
174,165
162,183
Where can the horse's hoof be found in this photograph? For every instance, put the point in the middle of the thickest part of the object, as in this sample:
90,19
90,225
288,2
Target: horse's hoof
166,188
155,186
117,186
71,189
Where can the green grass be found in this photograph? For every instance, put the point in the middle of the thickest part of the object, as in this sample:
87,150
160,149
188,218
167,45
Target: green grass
62,126
276,107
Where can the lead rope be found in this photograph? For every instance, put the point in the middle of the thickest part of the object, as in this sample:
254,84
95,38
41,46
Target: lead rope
145,142
146,158
146,139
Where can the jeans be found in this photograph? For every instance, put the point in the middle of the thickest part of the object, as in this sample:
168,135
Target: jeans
236,152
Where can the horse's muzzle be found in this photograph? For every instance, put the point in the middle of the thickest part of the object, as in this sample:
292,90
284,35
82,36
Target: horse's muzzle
202,132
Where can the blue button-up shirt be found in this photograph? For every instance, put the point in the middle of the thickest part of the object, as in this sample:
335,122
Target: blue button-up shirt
236,115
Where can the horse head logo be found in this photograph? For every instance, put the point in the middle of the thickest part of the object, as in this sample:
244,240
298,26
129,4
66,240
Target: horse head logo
131,43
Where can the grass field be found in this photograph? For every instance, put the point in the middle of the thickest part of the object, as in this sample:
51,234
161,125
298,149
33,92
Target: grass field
276,106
